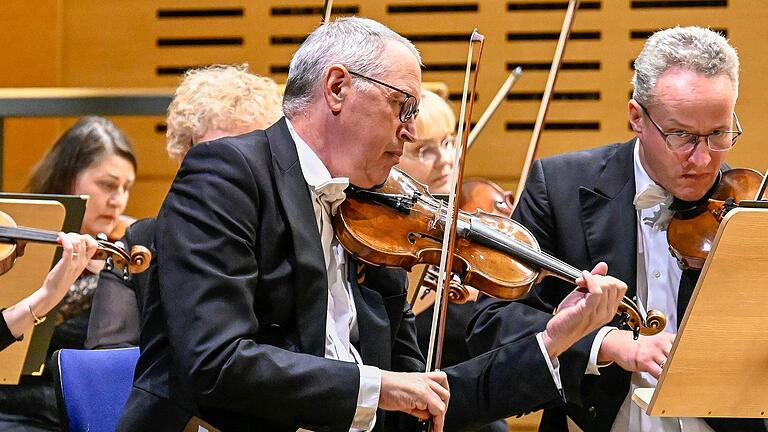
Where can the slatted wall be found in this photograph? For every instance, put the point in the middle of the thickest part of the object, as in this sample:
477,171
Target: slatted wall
148,43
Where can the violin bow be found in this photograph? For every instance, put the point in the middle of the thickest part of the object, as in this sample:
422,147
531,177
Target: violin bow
565,33
328,7
495,102
449,232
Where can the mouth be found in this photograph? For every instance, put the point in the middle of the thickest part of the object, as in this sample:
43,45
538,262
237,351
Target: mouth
443,179
695,176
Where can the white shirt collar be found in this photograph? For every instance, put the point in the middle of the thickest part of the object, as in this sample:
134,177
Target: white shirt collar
642,179
315,171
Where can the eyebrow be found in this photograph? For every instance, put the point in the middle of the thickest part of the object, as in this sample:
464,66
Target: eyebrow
678,128
115,177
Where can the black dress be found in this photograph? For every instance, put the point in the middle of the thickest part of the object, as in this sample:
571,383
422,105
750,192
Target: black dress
6,338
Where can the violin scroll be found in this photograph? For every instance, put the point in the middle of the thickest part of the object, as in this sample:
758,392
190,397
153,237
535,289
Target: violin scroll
457,292
12,239
631,317
136,262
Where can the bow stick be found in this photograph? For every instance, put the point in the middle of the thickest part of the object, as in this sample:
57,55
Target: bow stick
495,102
565,33
449,232
328,7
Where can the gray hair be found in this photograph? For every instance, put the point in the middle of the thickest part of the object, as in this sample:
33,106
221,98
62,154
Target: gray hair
696,49
356,43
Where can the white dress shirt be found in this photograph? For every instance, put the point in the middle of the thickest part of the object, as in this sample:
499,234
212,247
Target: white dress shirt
341,319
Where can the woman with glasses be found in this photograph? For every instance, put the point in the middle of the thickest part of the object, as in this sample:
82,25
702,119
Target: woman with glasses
430,161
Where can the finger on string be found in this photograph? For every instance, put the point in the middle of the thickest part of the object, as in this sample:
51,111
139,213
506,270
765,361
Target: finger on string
80,246
90,246
590,282
67,246
600,269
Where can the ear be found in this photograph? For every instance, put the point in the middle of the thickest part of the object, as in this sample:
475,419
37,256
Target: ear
335,85
635,116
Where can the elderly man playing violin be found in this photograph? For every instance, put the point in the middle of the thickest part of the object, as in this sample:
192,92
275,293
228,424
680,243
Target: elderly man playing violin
612,204
256,319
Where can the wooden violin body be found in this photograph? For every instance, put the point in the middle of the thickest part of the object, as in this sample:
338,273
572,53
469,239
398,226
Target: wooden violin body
13,238
690,238
400,225
483,194
399,239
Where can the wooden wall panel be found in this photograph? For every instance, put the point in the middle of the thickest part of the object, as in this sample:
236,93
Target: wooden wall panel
29,35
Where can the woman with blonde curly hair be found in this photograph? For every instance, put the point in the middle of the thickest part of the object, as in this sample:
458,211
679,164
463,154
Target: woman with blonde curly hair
219,101
210,103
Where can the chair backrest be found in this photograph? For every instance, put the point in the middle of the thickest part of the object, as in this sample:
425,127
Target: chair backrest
92,387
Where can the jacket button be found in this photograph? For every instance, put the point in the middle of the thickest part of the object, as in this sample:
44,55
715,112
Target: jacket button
592,412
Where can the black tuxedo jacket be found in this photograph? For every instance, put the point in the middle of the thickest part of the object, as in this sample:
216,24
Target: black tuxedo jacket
579,208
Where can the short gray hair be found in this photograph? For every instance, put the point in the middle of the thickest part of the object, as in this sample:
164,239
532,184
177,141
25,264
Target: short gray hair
697,49
356,43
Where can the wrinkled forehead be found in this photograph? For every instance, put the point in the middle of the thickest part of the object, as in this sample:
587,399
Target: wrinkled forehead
402,68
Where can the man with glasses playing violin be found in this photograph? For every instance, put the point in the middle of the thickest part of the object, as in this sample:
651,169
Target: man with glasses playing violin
613,204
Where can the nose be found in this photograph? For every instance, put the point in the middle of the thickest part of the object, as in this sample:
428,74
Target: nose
119,198
407,131
446,156
700,155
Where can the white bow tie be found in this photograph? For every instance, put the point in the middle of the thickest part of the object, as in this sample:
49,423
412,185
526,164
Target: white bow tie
650,197
331,193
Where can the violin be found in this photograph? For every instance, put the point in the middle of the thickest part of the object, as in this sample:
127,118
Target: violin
483,194
13,237
476,194
692,230
399,224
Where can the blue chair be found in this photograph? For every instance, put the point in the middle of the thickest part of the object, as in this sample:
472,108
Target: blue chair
92,387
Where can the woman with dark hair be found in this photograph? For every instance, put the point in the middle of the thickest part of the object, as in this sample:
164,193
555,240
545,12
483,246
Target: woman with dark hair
94,158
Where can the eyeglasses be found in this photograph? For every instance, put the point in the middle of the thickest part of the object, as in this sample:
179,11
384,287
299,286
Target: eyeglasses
409,108
431,153
684,142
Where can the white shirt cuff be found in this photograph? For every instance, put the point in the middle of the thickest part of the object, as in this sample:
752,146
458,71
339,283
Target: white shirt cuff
592,367
553,364
367,398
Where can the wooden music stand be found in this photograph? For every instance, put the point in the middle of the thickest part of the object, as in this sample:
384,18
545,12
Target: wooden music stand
718,366
53,213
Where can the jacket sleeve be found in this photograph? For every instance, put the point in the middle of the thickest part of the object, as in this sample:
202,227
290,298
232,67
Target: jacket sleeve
513,379
497,322
208,278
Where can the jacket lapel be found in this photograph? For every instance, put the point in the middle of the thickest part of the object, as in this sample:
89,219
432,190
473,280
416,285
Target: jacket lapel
609,218
311,291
